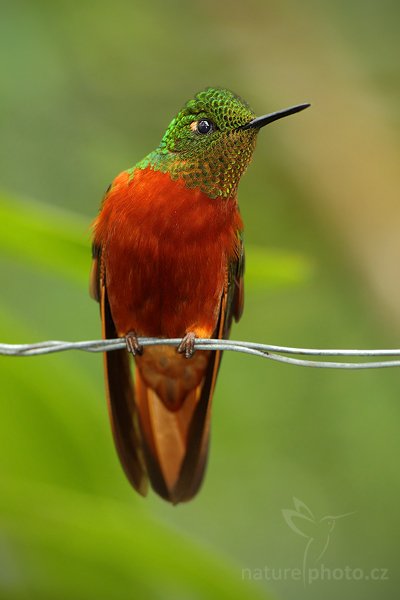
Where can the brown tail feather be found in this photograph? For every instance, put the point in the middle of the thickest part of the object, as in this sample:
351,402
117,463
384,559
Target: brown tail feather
195,461
169,447
175,443
194,464
193,467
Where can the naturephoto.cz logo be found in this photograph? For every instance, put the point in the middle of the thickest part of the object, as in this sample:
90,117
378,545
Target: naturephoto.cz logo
317,533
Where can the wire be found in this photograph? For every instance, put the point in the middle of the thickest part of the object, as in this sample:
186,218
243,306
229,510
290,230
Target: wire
272,352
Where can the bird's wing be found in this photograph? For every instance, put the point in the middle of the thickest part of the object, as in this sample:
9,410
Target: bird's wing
236,282
119,386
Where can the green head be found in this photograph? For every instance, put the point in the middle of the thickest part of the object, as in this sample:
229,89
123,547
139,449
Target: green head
210,142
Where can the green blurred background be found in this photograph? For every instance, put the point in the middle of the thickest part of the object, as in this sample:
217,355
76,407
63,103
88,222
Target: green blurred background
87,89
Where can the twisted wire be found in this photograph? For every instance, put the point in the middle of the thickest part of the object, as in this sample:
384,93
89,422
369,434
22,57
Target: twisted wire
269,351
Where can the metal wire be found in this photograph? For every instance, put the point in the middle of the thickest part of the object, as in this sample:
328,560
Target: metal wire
272,352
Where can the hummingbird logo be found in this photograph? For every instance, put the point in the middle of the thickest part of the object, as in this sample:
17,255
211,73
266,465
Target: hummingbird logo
317,531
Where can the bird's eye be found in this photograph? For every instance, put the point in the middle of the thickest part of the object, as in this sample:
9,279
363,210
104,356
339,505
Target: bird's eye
204,126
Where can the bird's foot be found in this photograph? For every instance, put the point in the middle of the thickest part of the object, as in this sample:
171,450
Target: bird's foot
186,346
132,344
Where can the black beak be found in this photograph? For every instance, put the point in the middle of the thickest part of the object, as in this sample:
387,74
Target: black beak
265,119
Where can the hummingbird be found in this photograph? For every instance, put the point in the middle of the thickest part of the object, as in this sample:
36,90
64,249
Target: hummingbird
317,531
168,262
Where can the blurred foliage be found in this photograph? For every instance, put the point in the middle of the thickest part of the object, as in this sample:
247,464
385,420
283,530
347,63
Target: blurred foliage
48,238
59,544
87,90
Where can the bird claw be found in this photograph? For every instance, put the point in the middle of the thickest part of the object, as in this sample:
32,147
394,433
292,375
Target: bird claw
132,344
186,346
